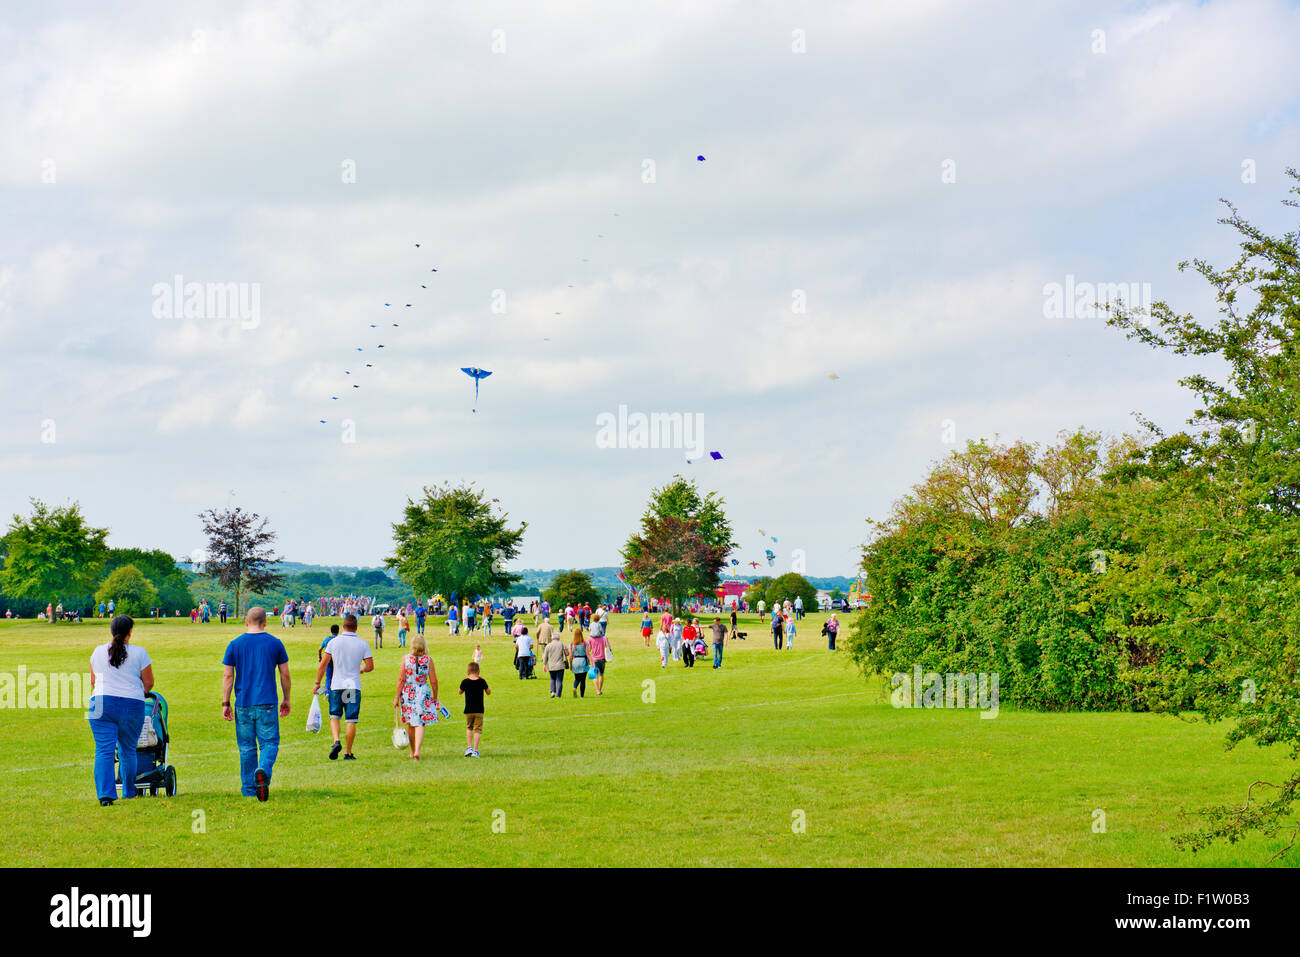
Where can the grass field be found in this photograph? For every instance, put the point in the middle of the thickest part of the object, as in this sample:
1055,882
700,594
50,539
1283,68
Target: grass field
714,772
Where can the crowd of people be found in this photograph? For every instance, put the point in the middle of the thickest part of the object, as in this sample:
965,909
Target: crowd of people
255,661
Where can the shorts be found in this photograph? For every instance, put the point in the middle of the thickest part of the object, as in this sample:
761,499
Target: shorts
599,665
474,722
345,703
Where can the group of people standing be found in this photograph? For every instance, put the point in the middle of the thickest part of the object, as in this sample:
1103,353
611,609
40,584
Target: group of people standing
685,640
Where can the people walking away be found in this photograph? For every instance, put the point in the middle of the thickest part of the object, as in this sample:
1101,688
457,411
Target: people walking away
579,663
473,686
378,624
120,674
524,653
555,660
417,694
599,647
351,658
250,664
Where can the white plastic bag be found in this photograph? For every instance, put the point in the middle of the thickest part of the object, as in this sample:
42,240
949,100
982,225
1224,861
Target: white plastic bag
314,716
148,737
400,738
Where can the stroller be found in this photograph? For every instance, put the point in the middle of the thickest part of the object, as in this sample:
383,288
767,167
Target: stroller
153,773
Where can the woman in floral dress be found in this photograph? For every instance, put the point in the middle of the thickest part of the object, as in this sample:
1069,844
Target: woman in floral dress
417,693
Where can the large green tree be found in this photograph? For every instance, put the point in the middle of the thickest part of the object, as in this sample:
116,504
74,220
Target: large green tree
129,590
672,560
160,568
52,555
452,542
1213,587
704,515
572,588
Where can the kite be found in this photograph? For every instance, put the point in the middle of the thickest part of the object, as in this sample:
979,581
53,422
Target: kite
773,538
476,374
771,557
700,158
717,456
753,564
831,375
761,532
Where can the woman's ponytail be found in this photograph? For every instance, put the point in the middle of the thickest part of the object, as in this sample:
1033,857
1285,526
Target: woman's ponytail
120,629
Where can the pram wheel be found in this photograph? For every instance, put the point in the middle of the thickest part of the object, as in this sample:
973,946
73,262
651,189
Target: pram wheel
169,781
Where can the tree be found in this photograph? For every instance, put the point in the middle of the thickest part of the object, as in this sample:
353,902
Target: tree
1215,571
52,556
316,579
671,559
452,542
681,499
757,590
572,588
790,586
129,590
834,594
160,568
240,553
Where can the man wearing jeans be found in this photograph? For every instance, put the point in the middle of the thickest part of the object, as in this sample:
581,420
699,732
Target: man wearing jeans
719,636
350,657
251,662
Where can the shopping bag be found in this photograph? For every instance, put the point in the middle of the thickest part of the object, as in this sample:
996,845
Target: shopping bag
400,738
314,716
148,737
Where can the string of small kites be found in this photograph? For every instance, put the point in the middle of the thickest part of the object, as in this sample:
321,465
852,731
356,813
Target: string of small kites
478,374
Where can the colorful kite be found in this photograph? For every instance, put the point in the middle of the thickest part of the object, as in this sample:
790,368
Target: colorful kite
716,456
771,557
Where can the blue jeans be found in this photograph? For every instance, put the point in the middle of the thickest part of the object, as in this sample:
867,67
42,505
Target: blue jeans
717,654
257,726
115,723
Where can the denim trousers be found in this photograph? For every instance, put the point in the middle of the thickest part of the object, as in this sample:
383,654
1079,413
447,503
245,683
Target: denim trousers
257,727
115,722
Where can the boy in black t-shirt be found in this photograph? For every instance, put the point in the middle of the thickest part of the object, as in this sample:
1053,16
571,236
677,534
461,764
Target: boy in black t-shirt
473,687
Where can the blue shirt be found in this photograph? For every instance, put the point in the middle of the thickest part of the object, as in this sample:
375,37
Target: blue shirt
255,658
329,668
419,611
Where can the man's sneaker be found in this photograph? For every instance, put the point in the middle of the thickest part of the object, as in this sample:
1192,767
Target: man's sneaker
475,754
263,785
334,751
468,752
349,757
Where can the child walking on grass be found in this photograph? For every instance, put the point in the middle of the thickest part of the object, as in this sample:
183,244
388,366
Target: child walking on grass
473,687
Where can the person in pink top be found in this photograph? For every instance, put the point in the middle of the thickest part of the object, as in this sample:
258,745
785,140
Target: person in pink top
598,648
666,621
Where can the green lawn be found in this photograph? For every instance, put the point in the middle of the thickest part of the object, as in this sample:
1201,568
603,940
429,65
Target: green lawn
713,772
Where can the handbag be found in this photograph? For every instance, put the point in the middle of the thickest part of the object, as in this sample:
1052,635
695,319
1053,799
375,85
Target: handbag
400,738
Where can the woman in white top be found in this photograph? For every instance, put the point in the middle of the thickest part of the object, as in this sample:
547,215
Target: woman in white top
120,674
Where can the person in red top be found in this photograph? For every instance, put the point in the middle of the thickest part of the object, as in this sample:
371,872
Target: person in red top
688,644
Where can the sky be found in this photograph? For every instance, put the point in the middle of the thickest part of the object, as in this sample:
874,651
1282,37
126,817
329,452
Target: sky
886,193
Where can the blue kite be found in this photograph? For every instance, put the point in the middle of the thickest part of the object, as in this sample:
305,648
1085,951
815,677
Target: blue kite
476,374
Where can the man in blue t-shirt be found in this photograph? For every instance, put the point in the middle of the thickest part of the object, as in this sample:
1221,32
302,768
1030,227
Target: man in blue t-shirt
251,662
508,616
419,618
